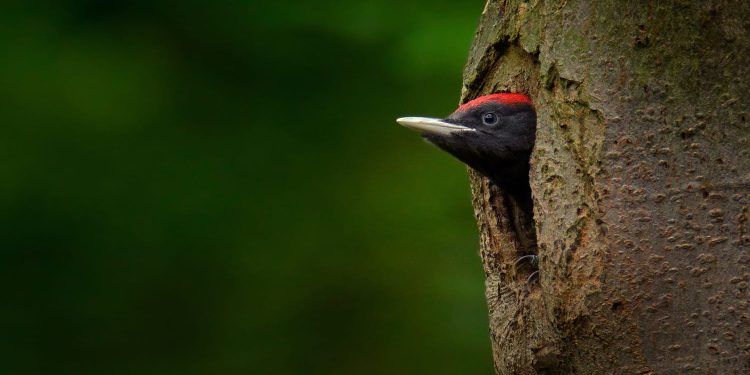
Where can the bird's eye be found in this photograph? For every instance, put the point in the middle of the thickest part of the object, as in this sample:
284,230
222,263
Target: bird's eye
489,118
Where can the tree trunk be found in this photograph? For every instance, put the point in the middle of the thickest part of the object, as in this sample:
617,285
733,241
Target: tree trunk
641,181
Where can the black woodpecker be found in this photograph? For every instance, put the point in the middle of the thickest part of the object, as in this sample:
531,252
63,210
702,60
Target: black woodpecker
493,134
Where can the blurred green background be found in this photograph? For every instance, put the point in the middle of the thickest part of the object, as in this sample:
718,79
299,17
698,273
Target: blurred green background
220,188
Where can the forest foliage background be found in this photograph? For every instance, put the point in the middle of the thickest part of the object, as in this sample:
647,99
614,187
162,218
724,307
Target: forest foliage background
220,187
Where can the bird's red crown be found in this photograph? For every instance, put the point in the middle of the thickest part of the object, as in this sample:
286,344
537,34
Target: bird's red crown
502,98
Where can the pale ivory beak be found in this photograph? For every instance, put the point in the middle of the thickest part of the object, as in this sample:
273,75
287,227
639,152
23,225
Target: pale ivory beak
432,126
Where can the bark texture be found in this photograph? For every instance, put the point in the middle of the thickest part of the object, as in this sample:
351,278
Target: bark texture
641,182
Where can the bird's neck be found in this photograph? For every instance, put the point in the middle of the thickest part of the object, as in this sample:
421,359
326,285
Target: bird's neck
520,207
513,179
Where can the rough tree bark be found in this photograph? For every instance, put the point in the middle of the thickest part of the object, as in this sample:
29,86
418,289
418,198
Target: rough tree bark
641,181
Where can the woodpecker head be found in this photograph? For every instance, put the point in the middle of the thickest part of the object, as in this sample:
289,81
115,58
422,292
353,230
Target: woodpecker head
493,134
